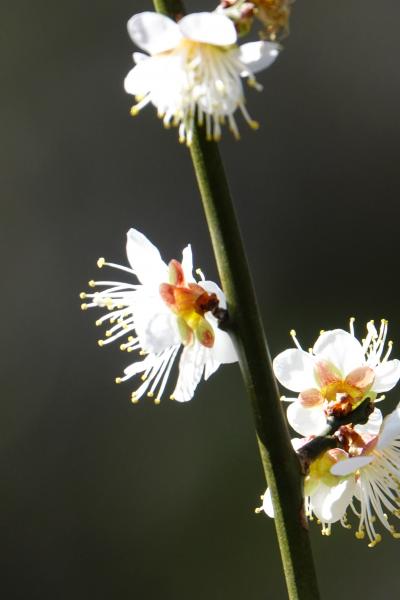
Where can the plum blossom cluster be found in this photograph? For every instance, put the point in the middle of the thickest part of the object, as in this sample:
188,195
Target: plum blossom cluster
162,315
192,71
358,471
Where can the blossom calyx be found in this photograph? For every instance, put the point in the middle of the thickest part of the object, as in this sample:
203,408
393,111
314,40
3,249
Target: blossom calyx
190,302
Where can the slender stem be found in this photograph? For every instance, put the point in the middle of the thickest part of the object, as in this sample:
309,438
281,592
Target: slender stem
170,8
281,466
280,463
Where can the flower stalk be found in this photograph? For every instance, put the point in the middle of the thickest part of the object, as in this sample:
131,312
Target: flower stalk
281,465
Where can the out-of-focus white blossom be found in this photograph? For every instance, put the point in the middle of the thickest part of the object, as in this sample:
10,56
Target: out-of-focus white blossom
192,70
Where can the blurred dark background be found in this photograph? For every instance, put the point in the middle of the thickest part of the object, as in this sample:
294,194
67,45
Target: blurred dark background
101,499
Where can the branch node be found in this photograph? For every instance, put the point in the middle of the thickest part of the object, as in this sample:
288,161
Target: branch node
222,316
314,448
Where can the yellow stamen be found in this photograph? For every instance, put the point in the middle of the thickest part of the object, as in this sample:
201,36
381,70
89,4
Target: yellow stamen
378,538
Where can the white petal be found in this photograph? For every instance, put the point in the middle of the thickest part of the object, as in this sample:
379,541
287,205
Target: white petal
330,503
340,348
390,429
187,264
373,425
153,32
387,374
155,324
208,28
258,55
306,421
294,369
211,365
138,81
145,259
139,57
223,351
191,367
267,504
161,77
297,443
350,465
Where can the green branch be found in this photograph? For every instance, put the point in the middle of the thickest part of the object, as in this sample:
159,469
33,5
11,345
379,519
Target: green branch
171,8
280,463
281,466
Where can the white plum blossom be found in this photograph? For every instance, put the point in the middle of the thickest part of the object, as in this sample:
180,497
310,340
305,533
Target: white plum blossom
192,70
335,376
329,490
326,496
373,465
361,475
166,314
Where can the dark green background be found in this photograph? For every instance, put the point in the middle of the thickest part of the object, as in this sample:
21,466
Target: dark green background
101,499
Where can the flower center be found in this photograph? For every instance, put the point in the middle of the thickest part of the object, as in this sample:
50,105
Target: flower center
189,302
320,470
355,444
341,396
